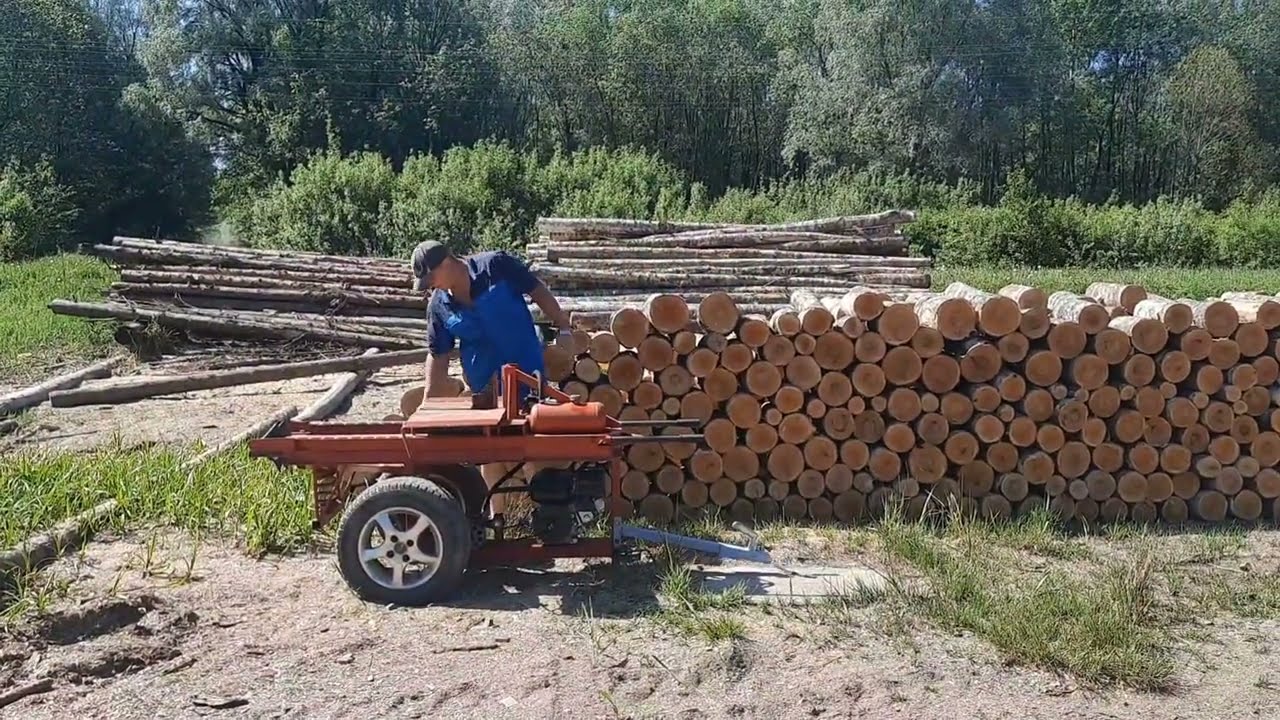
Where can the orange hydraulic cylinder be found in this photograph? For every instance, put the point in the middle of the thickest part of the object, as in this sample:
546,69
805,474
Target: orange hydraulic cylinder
568,419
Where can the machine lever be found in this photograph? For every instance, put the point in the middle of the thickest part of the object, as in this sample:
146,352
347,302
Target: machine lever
689,422
708,547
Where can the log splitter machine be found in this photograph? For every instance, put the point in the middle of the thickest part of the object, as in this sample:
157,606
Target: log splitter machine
415,509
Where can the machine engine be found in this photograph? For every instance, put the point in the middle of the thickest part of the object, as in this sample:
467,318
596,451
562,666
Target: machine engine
566,501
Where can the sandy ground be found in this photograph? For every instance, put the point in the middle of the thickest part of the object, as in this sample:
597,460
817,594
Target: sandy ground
282,637
208,416
198,631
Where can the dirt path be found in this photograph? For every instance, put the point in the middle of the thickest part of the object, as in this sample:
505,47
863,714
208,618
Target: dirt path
145,634
207,415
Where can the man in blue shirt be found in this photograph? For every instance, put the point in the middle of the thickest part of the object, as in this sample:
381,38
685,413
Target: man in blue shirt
478,303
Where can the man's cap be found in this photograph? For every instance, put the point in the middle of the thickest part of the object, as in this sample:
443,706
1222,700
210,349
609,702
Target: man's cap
427,256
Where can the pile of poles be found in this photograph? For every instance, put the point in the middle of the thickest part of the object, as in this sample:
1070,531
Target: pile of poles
226,293
1112,405
596,264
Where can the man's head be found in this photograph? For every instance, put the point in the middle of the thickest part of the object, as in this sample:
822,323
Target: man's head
434,267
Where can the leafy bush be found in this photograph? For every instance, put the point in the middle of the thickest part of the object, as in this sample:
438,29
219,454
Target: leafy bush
476,197
621,183
1249,233
37,215
1028,229
331,204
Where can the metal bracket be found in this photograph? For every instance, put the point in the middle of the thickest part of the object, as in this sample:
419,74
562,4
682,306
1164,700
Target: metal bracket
752,552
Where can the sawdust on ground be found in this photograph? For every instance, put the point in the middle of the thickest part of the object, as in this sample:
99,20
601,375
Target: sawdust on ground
146,635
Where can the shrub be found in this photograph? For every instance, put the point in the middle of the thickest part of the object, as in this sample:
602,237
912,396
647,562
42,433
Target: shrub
37,215
472,198
331,204
1249,233
622,183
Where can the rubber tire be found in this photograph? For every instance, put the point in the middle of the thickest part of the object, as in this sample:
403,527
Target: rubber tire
425,497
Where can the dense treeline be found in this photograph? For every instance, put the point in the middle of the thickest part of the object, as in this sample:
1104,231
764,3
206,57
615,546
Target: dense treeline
143,115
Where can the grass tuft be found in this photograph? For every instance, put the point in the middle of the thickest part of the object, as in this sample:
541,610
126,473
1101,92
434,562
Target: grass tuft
34,336
268,508
1101,631
695,611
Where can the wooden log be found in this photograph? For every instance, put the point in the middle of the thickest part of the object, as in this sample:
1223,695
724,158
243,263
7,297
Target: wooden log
804,343
985,398
152,387
980,360
778,349
754,332
1068,307
720,435
797,428
961,447
1147,335
869,380
884,465
1219,318
863,303
1108,293
1038,405
1088,371
717,312
736,357
1224,353
667,313
869,348
1035,323
902,366
997,315
763,379
804,372
785,462
1013,347
835,351
956,408
953,317
630,326
835,389
1067,339
1026,296
927,342
720,385
740,463
815,409
829,276
34,395
815,319
1251,339
821,453
1174,315
1210,506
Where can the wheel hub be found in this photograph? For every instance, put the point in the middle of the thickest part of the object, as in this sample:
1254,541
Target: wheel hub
400,548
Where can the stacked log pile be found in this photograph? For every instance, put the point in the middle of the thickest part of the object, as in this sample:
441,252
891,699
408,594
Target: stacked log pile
596,264
1107,406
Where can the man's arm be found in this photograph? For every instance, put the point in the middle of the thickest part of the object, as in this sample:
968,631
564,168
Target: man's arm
549,306
437,375
440,344
526,283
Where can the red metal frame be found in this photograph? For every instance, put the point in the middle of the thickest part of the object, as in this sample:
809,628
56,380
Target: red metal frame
449,432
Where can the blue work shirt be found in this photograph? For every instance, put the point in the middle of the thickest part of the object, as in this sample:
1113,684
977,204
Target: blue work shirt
496,328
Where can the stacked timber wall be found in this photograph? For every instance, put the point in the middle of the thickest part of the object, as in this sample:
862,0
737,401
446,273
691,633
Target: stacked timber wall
1109,406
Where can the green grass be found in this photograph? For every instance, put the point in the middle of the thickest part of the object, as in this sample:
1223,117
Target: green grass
267,508
33,335
1101,628
1195,283
695,611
